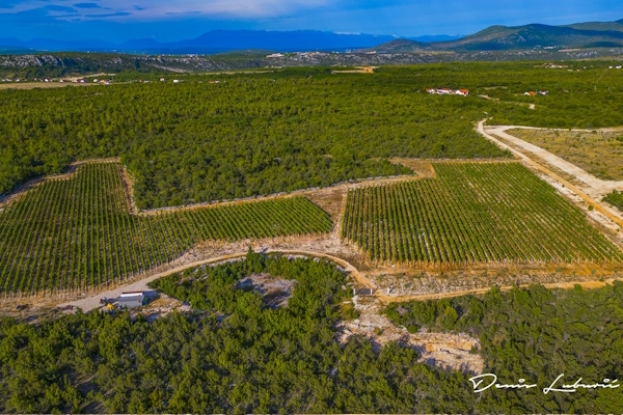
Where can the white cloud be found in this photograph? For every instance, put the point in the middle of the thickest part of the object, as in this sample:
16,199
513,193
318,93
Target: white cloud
150,9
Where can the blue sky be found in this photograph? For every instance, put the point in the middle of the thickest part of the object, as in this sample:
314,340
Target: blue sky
168,20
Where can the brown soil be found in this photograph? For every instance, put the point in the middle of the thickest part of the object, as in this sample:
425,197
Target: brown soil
597,152
361,69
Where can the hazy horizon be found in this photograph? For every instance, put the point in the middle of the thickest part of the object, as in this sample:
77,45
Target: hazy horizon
120,20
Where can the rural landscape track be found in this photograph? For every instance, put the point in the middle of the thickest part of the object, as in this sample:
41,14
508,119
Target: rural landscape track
92,302
575,189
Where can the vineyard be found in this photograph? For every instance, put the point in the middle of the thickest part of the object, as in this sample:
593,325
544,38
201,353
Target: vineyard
78,232
472,213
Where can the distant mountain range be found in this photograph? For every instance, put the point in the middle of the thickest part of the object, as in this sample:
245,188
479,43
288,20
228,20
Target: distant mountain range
219,41
580,35
494,38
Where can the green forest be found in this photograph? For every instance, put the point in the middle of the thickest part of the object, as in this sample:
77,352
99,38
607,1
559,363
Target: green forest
231,355
536,335
234,354
263,133
615,199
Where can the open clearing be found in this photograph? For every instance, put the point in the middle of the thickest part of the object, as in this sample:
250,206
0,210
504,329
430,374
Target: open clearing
600,153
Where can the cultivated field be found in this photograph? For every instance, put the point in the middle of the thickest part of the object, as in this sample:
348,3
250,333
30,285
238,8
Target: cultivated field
472,213
71,232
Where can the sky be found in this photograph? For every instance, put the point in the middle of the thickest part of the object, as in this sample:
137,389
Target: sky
171,20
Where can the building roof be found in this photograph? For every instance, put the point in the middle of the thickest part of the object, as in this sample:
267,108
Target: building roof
131,293
130,301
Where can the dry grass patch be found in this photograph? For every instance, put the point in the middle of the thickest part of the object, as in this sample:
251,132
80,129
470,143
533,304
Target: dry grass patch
599,153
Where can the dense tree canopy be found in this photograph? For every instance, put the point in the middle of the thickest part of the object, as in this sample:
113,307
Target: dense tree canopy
270,132
248,135
234,354
536,334
231,355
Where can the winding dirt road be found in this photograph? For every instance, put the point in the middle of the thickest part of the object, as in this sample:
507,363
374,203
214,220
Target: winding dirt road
92,302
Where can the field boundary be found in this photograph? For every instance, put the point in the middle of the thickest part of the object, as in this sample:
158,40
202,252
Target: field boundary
575,189
92,302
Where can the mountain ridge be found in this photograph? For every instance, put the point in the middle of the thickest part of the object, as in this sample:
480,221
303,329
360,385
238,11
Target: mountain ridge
531,36
493,38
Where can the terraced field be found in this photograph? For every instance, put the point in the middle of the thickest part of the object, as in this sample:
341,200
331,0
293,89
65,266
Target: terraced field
77,232
472,213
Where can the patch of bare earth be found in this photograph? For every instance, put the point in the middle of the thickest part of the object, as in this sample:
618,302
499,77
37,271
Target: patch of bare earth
435,284
599,153
275,291
162,306
443,350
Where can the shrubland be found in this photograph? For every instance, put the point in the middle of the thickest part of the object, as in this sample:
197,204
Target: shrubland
536,334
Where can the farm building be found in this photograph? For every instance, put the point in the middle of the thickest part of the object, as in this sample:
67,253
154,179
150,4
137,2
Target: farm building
132,299
448,91
535,93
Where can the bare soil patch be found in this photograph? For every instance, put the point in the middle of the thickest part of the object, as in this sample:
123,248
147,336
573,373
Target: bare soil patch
162,306
275,291
599,153
359,69
479,280
423,168
444,350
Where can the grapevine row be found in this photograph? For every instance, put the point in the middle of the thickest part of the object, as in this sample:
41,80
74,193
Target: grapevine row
473,213
68,234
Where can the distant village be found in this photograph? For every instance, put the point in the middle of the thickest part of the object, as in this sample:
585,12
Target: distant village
448,91
91,81
61,80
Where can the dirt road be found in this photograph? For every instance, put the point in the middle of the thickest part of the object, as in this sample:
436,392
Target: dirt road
554,160
92,302
592,182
